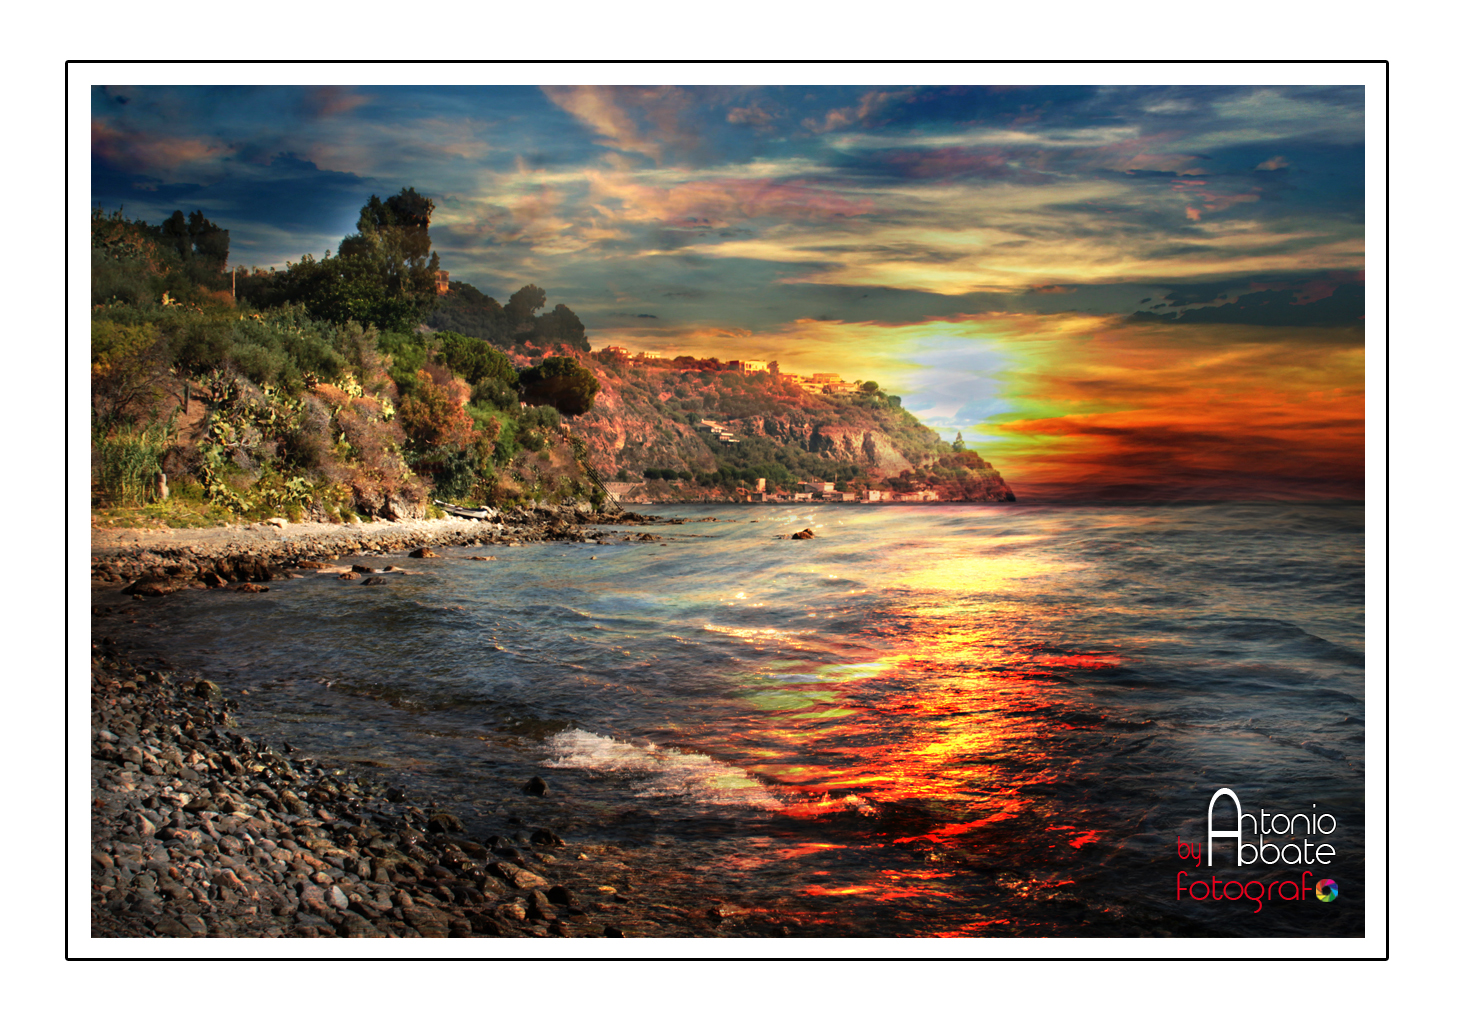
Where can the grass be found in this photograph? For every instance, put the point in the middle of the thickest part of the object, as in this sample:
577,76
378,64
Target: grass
177,513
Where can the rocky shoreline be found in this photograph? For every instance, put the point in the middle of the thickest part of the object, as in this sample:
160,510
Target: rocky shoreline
173,559
198,830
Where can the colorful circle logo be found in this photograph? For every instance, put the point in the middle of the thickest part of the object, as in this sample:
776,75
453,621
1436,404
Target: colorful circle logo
1326,890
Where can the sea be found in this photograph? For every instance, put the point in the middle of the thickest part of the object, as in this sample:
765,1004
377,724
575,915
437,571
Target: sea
938,720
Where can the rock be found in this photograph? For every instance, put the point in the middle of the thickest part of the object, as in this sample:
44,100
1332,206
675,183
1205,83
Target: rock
560,895
374,581
440,821
546,837
427,921
519,877
805,534
423,553
337,899
535,787
308,564
361,568
213,580
612,932
251,588
349,575
172,928
277,521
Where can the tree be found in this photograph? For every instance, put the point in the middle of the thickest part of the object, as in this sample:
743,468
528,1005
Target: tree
958,445
870,387
561,382
474,359
521,308
562,327
391,252
195,238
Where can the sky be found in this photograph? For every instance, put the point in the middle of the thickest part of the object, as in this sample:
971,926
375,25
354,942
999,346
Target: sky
1113,292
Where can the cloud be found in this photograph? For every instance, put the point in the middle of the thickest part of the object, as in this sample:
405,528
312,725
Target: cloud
720,202
612,112
150,152
1157,411
323,101
1275,163
753,115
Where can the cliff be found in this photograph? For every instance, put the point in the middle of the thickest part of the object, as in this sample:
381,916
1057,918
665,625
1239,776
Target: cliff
706,434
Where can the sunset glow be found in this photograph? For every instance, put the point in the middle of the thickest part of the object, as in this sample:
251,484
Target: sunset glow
1109,291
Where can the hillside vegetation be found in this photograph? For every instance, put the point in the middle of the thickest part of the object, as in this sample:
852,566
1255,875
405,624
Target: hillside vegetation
353,386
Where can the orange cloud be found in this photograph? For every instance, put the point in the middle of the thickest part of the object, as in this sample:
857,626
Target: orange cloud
609,111
148,151
720,202
1188,411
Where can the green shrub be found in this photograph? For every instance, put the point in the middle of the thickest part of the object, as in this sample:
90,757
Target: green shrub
126,465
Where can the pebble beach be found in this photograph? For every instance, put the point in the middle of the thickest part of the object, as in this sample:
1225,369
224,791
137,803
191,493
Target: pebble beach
199,829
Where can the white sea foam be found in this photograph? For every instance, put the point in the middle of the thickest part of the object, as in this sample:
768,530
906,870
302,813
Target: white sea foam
656,771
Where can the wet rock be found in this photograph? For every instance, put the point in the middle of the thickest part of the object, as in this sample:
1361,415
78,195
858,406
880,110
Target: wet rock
546,837
429,922
423,553
536,786
310,564
349,575
361,569
805,534
251,588
518,876
561,895
440,821
375,581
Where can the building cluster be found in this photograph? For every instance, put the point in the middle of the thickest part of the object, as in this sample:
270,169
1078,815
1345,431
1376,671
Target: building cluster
719,431
818,490
827,383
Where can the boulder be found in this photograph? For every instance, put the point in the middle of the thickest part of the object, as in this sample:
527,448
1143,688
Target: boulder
535,787
423,553
375,581
805,534
251,588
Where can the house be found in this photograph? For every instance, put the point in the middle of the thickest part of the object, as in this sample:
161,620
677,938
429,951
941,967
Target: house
442,282
647,355
814,487
620,491
616,350
748,366
875,496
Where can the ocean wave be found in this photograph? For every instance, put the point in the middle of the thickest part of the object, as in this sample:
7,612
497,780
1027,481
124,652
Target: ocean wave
656,771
